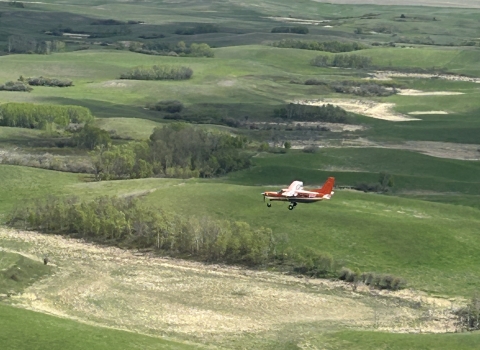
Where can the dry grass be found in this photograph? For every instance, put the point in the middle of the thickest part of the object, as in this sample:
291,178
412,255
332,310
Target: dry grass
207,303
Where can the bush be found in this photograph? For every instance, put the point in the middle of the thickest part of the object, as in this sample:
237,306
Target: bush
381,281
169,106
158,73
469,316
90,137
310,149
343,61
43,81
15,86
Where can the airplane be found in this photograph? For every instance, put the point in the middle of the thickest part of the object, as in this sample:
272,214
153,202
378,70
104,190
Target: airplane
296,194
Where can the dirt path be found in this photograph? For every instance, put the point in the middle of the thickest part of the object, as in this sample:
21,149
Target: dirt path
188,300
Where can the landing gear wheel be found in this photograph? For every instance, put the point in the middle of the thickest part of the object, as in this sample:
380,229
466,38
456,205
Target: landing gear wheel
269,205
291,206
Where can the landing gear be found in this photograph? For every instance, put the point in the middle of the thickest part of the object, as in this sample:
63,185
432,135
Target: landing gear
292,205
269,205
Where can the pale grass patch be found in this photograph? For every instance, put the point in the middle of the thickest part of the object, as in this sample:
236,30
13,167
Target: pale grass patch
140,292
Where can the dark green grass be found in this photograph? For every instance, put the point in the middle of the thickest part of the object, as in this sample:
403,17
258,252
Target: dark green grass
432,245
18,272
412,171
21,184
377,340
23,329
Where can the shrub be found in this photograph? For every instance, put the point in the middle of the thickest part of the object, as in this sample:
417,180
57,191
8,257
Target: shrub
203,28
15,86
310,149
299,112
469,316
169,106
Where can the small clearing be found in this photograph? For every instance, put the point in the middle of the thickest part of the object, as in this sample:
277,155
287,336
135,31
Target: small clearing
144,293
367,108
412,92
388,75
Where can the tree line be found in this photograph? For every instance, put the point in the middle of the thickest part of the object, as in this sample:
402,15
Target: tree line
175,150
39,116
327,46
203,28
158,73
170,49
343,61
298,112
292,30
128,223
27,44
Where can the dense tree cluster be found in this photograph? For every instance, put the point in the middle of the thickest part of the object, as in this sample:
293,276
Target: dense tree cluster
203,28
126,222
170,49
293,30
327,46
176,150
90,137
299,112
39,116
343,61
158,73
45,81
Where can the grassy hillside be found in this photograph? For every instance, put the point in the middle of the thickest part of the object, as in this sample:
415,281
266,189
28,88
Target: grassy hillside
23,329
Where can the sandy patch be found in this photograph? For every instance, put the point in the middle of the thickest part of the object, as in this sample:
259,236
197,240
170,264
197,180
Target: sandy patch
388,75
367,108
143,293
412,92
427,112
226,83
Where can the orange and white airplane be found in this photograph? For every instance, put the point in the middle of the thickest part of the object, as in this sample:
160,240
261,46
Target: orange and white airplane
296,194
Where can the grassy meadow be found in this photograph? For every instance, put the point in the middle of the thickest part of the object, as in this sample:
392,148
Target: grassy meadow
425,230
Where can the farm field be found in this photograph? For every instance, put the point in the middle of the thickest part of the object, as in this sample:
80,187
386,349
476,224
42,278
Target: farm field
411,114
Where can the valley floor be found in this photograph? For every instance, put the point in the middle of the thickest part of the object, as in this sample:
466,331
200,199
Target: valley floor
227,306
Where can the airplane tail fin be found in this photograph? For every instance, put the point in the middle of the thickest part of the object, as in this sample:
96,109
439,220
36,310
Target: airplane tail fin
327,187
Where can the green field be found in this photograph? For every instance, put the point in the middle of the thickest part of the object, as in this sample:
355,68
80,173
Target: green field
23,329
424,230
